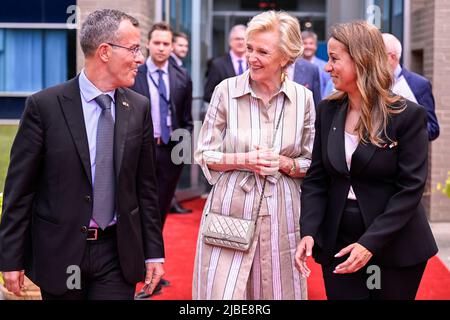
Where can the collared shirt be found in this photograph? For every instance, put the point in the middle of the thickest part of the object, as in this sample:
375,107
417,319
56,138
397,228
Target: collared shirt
325,77
91,114
177,60
153,79
397,72
401,86
235,60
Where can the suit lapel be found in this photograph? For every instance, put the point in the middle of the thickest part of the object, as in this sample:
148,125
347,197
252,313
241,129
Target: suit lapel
142,80
336,143
72,108
123,109
362,156
229,66
173,85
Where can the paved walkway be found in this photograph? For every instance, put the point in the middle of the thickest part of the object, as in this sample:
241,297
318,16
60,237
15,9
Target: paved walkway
8,122
441,231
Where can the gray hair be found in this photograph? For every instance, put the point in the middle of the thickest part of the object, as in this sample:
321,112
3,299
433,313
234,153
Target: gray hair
100,27
393,45
308,34
238,27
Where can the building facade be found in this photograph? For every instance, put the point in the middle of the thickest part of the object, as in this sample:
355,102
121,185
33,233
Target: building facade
40,49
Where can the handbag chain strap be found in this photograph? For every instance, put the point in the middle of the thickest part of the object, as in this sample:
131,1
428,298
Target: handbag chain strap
265,178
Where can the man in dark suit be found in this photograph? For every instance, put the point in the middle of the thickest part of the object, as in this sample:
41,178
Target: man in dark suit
229,65
307,74
309,54
177,98
180,48
80,213
411,85
169,88
179,52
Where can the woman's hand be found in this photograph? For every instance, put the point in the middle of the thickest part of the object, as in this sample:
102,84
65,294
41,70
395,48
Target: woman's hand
359,256
304,250
263,161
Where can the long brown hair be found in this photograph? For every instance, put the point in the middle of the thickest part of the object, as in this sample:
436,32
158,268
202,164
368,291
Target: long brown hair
365,45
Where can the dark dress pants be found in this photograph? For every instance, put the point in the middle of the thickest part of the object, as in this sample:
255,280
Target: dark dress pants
168,173
395,283
101,275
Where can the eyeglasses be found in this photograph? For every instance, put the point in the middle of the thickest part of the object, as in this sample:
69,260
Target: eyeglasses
134,50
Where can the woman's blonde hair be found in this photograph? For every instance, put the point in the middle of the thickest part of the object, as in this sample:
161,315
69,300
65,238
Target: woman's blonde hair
291,44
365,46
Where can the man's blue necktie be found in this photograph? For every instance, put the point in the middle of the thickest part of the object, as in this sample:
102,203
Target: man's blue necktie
163,108
104,182
241,69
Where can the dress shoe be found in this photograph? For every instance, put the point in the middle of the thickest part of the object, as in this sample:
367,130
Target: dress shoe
144,295
177,208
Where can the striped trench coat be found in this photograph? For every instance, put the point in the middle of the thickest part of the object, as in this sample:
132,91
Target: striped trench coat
235,122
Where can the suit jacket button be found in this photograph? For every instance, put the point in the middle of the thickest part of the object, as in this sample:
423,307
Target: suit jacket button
84,229
87,198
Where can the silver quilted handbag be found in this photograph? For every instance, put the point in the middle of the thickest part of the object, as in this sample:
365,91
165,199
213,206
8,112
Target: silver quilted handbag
228,232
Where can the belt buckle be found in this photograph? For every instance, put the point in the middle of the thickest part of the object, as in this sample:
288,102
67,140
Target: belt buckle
95,237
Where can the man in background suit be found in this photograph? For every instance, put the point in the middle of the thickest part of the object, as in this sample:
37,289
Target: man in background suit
411,85
81,194
306,74
179,52
169,89
229,65
309,54
180,48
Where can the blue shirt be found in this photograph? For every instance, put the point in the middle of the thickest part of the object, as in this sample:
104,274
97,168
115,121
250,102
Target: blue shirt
153,79
91,114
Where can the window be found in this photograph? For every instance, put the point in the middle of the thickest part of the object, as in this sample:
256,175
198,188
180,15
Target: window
32,59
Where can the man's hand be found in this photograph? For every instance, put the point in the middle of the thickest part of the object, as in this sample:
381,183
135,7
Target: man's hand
359,256
154,273
14,281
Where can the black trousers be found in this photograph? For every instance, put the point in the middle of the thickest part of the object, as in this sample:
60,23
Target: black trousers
168,173
373,281
101,275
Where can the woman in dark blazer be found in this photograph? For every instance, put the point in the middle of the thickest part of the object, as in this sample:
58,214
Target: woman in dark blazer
361,216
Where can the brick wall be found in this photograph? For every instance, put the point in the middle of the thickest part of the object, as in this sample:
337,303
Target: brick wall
430,42
438,66
143,10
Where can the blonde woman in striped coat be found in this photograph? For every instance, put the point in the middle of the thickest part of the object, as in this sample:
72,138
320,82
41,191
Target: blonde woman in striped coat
238,146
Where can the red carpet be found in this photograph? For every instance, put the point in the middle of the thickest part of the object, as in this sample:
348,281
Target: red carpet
180,236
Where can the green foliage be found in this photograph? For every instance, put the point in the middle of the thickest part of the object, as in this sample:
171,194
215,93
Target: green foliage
445,188
7,134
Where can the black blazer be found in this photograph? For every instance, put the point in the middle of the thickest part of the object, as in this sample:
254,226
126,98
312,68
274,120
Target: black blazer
219,69
308,75
49,195
388,183
180,94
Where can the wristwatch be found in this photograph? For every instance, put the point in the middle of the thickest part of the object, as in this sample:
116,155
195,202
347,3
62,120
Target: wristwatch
293,168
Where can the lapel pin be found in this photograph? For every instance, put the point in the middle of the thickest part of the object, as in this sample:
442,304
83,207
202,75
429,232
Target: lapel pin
125,104
334,128
393,144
